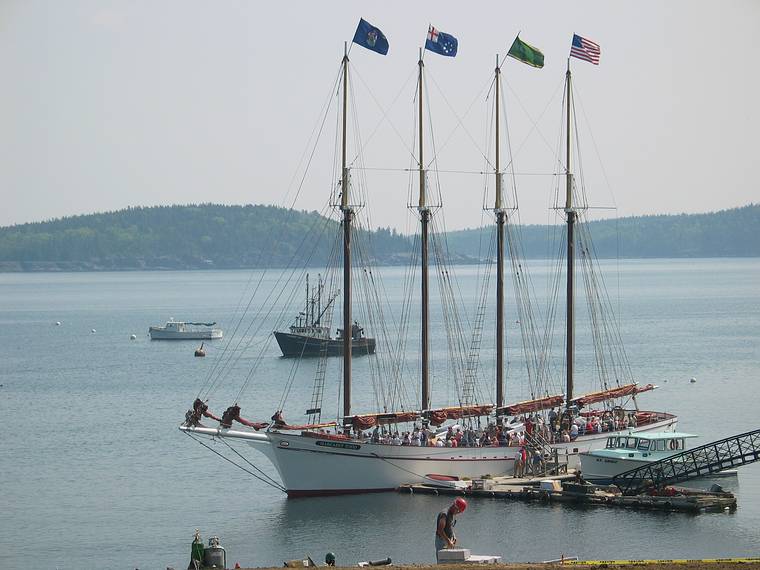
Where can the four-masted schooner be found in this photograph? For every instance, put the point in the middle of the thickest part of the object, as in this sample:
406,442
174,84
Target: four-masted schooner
334,457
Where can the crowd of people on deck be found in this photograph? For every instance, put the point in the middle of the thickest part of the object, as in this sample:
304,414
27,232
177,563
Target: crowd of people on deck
557,427
566,426
455,436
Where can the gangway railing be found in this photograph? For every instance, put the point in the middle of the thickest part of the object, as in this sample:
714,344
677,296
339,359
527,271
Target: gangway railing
550,462
703,460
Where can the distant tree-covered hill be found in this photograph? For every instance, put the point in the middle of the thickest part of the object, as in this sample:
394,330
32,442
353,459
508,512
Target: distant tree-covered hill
181,237
217,236
728,233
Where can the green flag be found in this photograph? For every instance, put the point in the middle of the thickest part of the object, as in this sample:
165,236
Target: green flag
526,53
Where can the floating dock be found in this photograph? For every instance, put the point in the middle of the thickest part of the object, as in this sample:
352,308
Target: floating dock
561,489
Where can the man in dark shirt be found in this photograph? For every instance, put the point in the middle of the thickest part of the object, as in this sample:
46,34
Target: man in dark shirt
444,532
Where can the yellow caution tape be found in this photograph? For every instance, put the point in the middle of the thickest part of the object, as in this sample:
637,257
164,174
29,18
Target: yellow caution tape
664,561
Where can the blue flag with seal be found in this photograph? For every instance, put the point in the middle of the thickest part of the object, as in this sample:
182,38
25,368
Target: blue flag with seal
370,37
440,43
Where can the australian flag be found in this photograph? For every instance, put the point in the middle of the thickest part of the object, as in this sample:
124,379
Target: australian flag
440,43
370,37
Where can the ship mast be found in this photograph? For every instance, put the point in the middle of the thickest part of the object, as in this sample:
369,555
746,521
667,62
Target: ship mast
500,219
424,221
347,219
571,217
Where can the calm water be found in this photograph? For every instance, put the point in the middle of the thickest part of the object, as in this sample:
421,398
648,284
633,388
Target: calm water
95,473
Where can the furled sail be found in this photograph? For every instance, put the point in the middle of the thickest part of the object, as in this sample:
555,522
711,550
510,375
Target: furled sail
440,415
366,421
529,406
612,393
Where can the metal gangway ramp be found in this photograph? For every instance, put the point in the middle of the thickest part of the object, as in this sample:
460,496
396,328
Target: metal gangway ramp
703,460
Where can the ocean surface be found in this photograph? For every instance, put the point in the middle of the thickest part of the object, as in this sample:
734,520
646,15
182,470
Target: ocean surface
95,474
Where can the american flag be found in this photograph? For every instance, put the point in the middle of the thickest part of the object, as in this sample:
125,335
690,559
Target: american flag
585,49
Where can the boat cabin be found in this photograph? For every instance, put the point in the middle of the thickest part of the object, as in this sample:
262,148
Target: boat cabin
665,443
314,331
357,332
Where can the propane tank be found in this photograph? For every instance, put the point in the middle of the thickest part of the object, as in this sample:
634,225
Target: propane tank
196,550
214,556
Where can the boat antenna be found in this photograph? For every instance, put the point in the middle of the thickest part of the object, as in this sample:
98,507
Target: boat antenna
571,217
307,300
347,218
319,297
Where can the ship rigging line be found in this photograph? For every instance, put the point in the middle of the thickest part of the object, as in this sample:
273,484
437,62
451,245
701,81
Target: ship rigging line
297,361
561,84
280,290
325,113
222,364
318,128
442,171
385,114
460,120
399,467
227,364
264,477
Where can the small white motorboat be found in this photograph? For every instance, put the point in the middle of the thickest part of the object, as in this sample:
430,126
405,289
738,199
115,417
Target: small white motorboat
182,330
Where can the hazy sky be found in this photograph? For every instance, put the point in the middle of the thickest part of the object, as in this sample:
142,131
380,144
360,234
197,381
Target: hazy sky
108,104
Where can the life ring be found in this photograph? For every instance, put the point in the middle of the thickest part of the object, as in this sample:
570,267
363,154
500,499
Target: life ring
673,444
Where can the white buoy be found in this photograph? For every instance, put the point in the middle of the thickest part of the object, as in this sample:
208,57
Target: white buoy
693,380
133,337
58,323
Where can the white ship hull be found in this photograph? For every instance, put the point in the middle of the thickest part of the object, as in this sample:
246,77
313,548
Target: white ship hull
311,466
602,469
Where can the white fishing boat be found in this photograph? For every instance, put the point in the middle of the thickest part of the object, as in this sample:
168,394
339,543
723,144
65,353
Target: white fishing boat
628,451
333,457
184,330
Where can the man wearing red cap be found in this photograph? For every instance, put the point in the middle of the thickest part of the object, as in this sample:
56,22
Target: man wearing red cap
444,532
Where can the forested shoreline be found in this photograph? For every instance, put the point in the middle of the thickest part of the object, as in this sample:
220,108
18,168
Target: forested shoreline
213,236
